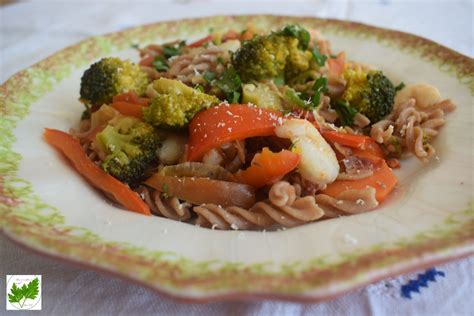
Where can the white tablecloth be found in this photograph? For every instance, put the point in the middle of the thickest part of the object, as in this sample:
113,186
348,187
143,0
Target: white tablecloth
30,31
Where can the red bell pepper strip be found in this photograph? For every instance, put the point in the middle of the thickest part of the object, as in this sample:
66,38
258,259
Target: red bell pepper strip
382,180
200,42
268,167
96,176
225,123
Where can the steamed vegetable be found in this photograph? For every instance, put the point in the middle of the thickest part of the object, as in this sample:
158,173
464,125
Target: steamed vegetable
230,85
278,56
383,181
130,104
225,123
176,104
197,169
268,167
298,32
262,96
131,97
109,77
96,176
129,109
346,139
370,93
127,147
200,42
282,99
204,190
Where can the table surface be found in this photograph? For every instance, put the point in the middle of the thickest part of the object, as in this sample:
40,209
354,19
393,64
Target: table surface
53,25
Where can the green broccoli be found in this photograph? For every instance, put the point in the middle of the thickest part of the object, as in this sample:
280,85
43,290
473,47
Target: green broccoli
370,93
128,147
175,104
109,77
296,31
275,56
262,96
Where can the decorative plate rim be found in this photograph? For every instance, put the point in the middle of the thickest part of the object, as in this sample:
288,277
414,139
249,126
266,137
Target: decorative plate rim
28,227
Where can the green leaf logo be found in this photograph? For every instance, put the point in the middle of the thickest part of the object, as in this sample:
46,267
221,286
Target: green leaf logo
19,295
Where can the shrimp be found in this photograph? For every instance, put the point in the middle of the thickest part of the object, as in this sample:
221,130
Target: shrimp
318,162
424,94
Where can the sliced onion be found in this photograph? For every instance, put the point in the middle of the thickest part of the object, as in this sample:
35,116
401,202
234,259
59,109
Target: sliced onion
198,170
203,190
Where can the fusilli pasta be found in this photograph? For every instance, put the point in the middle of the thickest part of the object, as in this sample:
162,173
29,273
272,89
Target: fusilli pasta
411,128
170,208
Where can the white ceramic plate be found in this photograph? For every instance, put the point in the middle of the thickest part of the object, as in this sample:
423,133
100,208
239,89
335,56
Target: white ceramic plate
47,207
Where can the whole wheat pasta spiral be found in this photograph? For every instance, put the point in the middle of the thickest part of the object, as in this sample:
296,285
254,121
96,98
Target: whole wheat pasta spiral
233,217
284,207
170,208
382,131
190,66
348,202
412,127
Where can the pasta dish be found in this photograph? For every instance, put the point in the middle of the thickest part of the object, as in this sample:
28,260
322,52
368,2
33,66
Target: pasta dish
248,130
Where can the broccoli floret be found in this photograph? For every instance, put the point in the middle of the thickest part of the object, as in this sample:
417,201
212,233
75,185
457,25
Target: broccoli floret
295,30
262,96
277,55
109,77
129,147
175,104
370,93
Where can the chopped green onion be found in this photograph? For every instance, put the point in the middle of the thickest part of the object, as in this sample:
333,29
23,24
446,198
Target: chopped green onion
320,86
233,97
292,97
319,58
209,76
279,81
160,63
400,86
199,88
173,50
230,84
345,112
